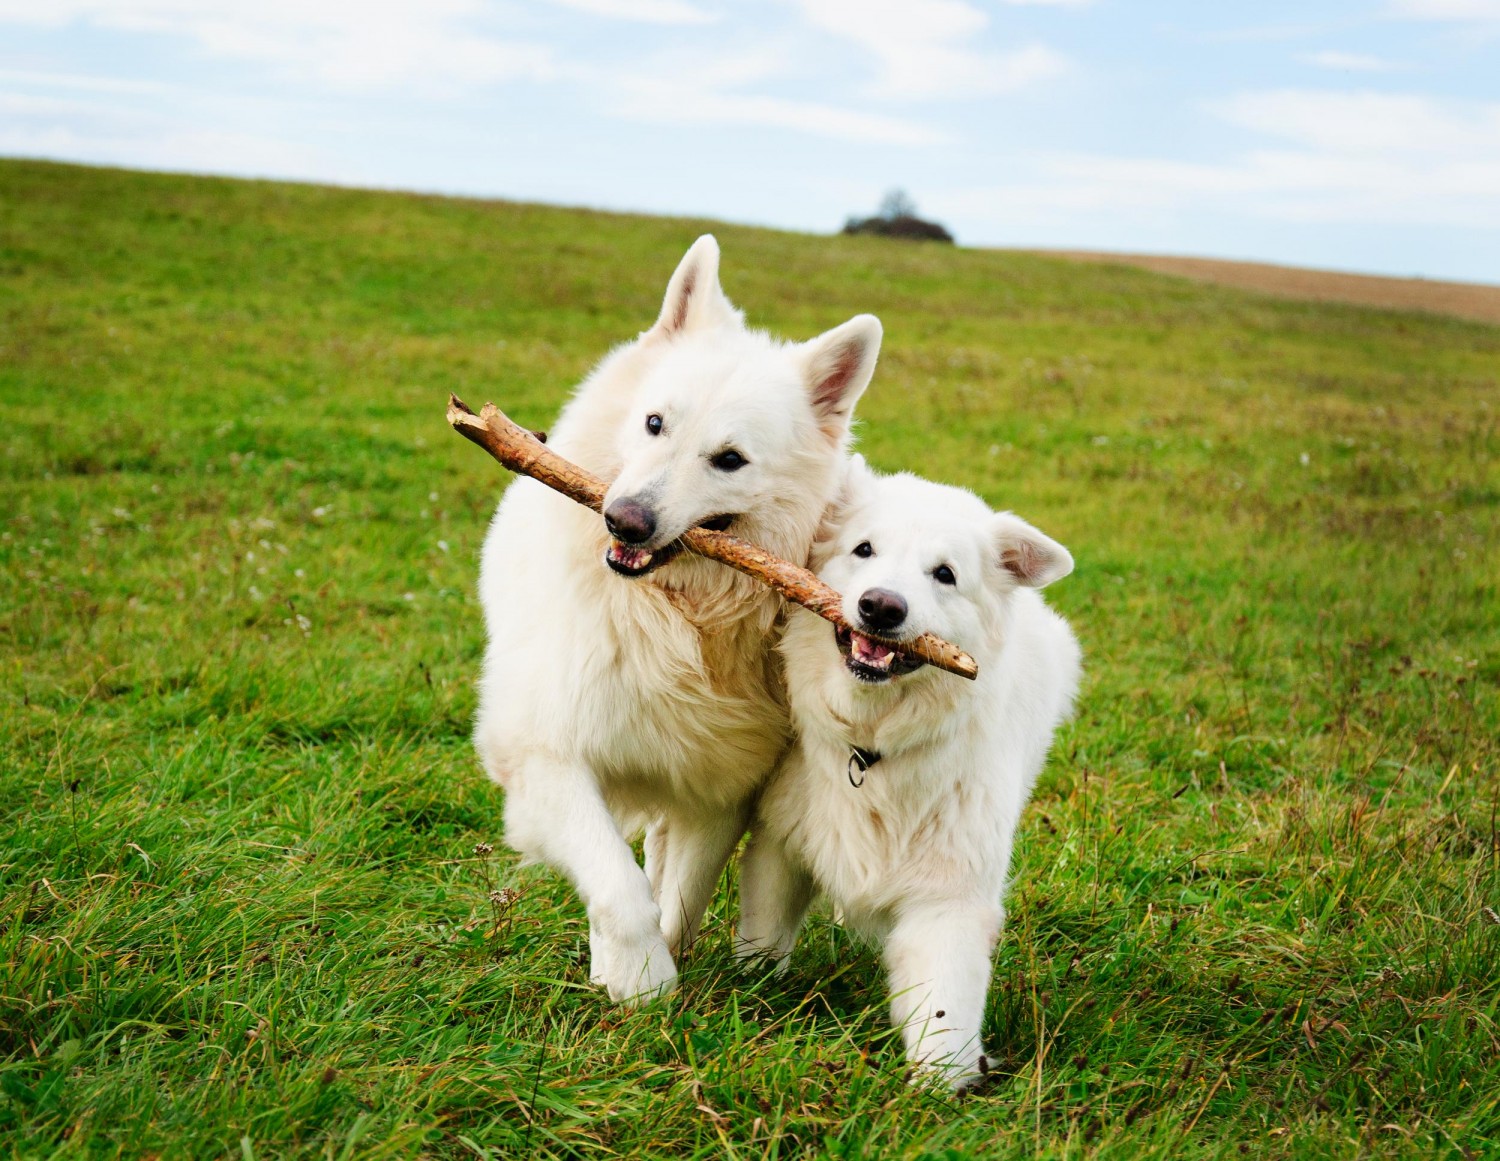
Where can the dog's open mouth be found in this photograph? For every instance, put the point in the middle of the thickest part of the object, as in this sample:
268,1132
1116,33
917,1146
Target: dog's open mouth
871,659
627,560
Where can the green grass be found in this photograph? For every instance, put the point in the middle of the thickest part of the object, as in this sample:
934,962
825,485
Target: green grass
242,914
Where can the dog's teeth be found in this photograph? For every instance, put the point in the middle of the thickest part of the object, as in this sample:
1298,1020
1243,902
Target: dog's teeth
875,654
632,558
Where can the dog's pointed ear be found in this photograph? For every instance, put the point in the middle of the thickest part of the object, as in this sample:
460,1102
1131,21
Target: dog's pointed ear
853,481
1032,558
694,298
851,484
838,366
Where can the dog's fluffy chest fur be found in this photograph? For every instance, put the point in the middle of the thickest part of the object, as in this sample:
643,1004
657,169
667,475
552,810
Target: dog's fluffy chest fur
934,817
909,828
698,718
659,707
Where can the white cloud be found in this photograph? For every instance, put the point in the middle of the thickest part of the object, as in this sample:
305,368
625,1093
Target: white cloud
1457,11
93,119
1364,158
17,108
430,44
81,81
72,130
1374,125
681,89
1352,62
694,86
643,98
643,11
352,43
925,47
1048,3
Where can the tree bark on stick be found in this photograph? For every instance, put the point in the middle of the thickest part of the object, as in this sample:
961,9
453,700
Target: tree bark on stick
521,451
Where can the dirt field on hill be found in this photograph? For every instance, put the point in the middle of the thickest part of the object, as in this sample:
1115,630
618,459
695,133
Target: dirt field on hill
1464,299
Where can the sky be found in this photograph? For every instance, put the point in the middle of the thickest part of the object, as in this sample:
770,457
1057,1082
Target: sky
1348,134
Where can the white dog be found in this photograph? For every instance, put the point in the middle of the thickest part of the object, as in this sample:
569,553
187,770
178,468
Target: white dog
626,683
901,797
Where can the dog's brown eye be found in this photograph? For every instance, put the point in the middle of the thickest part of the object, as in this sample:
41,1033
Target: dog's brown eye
653,424
944,575
863,549
729,460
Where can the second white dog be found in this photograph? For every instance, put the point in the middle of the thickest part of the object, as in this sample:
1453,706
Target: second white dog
901,797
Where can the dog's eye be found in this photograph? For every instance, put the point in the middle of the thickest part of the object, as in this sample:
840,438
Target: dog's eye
863,549
729,460
944,575
653,424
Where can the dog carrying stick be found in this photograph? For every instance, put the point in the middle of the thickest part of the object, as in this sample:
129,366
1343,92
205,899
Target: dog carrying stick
522,452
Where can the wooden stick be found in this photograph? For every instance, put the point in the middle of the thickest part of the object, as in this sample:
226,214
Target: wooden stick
521,451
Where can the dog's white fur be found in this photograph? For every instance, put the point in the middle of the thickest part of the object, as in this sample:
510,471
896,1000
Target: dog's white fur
610,702
917,857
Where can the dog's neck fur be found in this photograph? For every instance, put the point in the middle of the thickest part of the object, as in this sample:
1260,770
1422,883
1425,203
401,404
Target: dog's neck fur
921,709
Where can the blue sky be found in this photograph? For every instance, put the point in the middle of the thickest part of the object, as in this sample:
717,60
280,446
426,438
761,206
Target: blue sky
1352,135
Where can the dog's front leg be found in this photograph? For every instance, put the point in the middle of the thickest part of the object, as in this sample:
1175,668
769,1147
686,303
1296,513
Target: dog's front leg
694,852
938,959
775,891
555,813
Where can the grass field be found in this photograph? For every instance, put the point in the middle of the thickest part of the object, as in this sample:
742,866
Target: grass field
1257,900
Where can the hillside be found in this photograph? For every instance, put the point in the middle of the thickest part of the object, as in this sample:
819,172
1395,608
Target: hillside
1255,903
1471,300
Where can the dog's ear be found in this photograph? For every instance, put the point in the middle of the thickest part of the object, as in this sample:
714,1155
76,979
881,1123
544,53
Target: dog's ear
850,487
838,366
853,481
1030,557
694,299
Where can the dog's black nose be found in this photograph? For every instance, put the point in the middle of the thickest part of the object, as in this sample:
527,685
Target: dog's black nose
630,521
882,610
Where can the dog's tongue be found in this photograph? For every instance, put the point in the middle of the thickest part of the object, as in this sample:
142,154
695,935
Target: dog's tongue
868,651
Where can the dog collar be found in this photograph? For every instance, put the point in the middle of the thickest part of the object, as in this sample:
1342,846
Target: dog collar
860,759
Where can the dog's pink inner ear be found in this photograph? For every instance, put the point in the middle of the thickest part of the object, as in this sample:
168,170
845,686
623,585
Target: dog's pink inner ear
1021,558
1034,559
693,296
839,366
829,393
684,298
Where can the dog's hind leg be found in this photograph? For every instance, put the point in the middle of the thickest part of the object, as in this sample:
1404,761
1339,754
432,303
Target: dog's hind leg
555,813
695,850
775,892
654,845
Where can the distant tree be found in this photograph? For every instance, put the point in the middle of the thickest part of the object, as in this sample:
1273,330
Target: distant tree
897,203
897,218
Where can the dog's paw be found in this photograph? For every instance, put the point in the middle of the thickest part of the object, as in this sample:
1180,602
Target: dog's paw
635,972
757,957
957,1076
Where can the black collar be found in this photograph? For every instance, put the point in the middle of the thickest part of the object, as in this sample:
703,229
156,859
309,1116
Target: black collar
861,759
